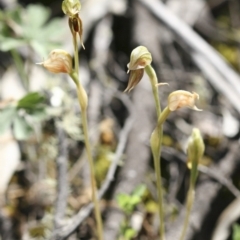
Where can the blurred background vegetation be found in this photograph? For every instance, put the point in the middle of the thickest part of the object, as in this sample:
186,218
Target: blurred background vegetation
40,120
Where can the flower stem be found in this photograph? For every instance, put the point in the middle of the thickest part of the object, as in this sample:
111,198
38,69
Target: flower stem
153,79
156,143
157,165
93,182
162,118
190,199
82,98
76,60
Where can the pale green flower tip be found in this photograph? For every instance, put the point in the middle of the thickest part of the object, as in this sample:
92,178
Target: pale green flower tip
71,7
140,58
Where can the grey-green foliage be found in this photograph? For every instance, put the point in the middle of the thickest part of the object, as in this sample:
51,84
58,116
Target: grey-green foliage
23,115
30,27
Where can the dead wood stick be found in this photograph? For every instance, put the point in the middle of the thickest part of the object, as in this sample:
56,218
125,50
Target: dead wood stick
62,181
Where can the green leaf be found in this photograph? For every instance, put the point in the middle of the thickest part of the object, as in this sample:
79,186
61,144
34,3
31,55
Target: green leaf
7,43
13,14
33,19
54,30
134,200
1,15
32,28
129,233
37,14
6,117
122,200
140,190
128,202
31,100
39,48
21,129
38,115
236,232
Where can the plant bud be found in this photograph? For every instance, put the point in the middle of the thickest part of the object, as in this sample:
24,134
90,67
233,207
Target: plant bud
195,148
59,61
71,7
180,99
140,58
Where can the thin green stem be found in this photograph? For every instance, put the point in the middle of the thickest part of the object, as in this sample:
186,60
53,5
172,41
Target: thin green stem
162,118
153,79
156,143
190,199
94,189
157,166
76,59
82,98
